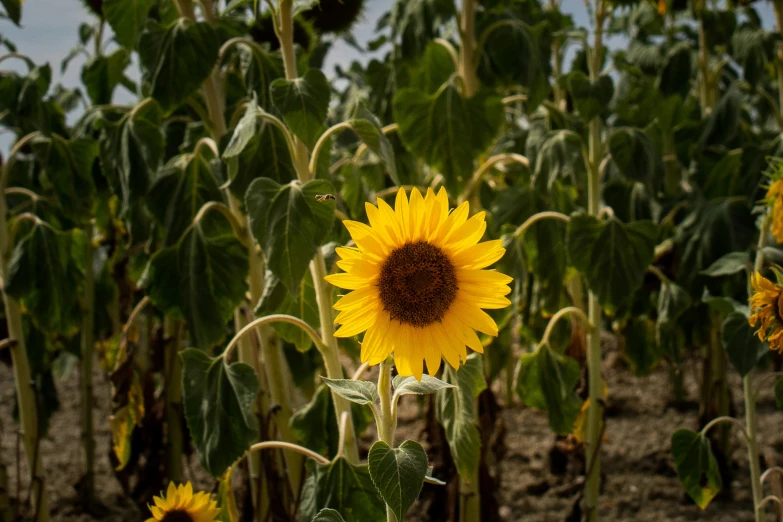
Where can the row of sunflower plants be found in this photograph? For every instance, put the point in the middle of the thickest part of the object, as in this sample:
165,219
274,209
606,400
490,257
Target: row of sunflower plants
190,239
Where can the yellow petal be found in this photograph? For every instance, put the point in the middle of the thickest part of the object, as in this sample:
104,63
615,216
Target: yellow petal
473,317
402,213
375,347
431,347
355,322
347,281
479,256
348,253
482,277
415,214
357,298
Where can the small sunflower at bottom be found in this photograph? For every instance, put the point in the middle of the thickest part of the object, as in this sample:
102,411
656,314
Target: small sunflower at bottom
765,308
418,283
181,505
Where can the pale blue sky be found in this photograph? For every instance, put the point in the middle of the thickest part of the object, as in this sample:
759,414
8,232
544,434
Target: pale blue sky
49,32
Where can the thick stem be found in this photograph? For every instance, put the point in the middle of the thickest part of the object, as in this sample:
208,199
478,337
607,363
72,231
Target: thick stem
705,81
595,409
85,377
467,70
388,419
172,332
778,7
334,370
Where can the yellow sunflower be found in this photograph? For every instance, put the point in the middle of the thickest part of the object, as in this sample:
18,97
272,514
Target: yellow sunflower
774,194
765,307
181,505
417,282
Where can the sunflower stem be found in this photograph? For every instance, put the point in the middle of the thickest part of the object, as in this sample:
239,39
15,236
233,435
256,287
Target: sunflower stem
388,416
595,408
25,391
172,332
85,377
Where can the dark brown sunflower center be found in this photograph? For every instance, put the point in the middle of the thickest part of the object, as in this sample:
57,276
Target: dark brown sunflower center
177,515
417,284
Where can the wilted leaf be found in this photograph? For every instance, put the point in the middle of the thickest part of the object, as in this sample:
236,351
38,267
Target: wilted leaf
696,466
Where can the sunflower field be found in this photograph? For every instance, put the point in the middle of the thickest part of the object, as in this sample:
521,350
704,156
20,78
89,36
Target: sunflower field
392,260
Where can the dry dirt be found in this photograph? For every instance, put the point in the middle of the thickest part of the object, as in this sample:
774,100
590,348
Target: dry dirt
640,485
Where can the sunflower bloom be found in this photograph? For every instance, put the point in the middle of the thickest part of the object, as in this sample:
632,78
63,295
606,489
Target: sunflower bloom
417,283
181,505
765,307
774,194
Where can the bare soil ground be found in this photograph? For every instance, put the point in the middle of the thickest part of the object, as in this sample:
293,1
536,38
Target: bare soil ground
640,484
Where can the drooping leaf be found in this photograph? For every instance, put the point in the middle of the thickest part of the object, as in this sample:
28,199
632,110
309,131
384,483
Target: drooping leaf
176,59
457,413
345,488
219,400
446,130
126,18
179,191
741,343
45,275
360,392
398,473
633,154
415,23
276,299
367,127
673,301
675,75
289,224
410,386
729,264
102,74
259,69
315,425
641,347
612,255
547,381
590,97
303,103
201,278
722,125
559,158
696,466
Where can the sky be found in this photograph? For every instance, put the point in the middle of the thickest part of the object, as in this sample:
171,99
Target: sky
49,32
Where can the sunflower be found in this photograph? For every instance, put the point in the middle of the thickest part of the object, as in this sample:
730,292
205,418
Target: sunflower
181,505
765,307
418,284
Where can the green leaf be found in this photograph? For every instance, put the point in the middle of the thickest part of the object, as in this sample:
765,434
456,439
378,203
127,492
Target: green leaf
345,488
729,264
289,224
591,97
45,275
433,69
641,348
328,515
410,386
673,301
724,305
13,8
259,69
612,255
457,413
560,157
367,127
176,60
547,381
398,473
741,343
102,74
753,49
315,424
182,187
276,299
360,392
126,18
723,123
448,131
696,466
219,402
415,23
304,103
633,154
201,278
675,75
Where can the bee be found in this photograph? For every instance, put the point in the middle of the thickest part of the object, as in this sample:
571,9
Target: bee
324,197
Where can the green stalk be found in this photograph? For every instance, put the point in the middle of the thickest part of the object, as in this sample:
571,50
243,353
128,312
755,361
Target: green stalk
323,293
85,380
706,96
25,392
386,428
172,333
595,408
778,8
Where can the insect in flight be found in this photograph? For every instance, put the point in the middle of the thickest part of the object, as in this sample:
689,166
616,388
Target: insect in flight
324,197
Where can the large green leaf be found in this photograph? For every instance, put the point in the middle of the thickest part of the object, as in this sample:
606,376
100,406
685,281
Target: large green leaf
729,264
446,130
259,69
181,188
591,97
345,488
741,343
633,154
304,103
45,275
201,278
696,466
457,413
723,123
176,59
433,69
13,8
559,158
612,255
411,386
753,50
102,74
360,392
398,473
289,224
219,399
126,18
547,381
368,129
415,23
276,299
641,347
675,75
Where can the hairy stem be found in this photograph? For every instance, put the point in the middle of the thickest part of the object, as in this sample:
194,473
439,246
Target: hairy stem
467,26
388,420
